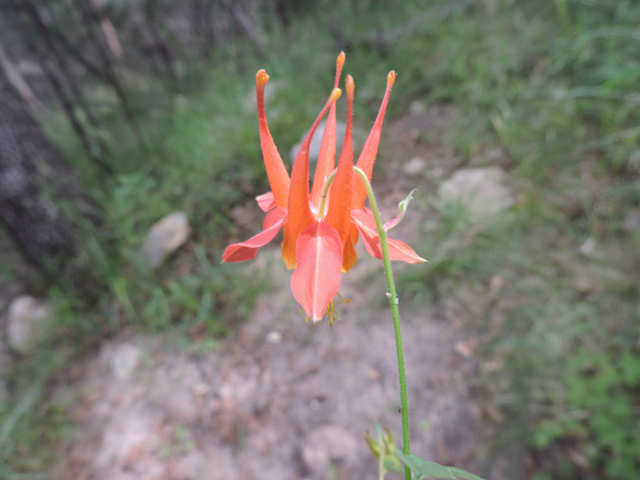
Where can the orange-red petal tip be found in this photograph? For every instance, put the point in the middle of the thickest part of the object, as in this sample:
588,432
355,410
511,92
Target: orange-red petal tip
261,78
335,94
391,78
340,60
351,86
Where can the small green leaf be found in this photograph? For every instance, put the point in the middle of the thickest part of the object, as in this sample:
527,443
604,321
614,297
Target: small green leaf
379,433
461,473
402,209
422,468
392,464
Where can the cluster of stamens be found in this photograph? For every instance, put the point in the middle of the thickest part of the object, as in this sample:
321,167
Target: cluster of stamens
332,312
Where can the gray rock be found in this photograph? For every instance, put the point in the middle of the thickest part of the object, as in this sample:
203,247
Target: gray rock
123,361
328,444
271,88
632,221
164,237
414,166
417,108
314,149
26,318
479,190
359,137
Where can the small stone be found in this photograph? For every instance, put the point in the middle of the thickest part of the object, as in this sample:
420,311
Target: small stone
328,444
414,166
417,108
124,360
634,161
479,190
632,221
26,318
201,389
164,237
587,247
464,349
496,154
274,337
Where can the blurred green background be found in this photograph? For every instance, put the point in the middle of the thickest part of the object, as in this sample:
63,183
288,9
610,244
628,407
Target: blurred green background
554,84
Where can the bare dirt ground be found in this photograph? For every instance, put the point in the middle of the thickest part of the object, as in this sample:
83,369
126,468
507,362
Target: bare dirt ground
283,399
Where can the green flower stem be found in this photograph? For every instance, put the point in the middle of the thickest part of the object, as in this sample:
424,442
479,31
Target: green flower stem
325,192
396,318
381,459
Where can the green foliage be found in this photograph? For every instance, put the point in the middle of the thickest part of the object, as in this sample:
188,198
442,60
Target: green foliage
200,154
36,422
601,394
422,468
555,86
384,445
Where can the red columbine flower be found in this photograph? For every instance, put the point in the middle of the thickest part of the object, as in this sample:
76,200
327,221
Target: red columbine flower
319,234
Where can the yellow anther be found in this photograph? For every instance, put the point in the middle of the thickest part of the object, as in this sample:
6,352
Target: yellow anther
261,78
391,78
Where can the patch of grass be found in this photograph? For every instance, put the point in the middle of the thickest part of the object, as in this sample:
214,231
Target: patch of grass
554,86
200,153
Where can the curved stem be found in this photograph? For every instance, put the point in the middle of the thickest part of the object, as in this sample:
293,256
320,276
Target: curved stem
325,192
396,317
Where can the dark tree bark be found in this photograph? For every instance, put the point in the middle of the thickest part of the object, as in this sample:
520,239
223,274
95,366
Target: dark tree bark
55,67
43,206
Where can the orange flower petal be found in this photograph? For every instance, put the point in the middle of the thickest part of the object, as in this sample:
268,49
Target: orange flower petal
339,212
370,150
239,252
327,156
266,201
277,173
300,215
366,223
317,278
354,233
349,257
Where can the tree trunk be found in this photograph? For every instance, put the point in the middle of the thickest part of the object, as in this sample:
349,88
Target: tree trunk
43,207
21,86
